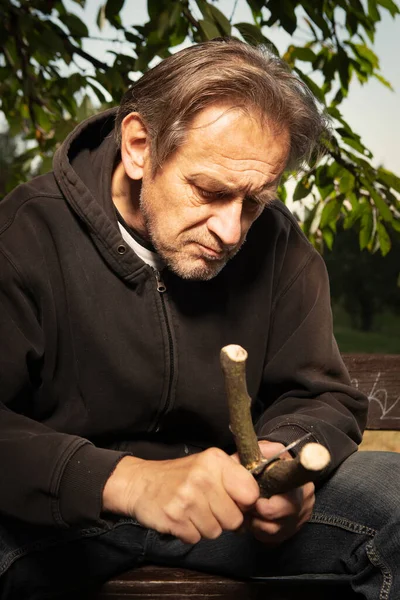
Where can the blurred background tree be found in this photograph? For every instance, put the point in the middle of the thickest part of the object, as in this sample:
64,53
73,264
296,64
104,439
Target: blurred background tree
365,295
49,81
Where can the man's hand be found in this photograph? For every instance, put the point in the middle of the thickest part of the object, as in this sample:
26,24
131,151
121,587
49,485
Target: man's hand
191,498
276,519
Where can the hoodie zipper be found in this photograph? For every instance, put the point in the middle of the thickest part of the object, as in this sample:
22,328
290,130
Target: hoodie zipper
161,289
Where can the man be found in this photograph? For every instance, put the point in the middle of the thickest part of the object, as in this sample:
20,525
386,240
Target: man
123,273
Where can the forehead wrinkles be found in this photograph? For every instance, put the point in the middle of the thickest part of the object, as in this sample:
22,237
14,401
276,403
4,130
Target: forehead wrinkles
242,146
244,174
234,145
239,164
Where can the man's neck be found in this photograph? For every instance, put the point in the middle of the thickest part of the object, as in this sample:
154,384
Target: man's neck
125,193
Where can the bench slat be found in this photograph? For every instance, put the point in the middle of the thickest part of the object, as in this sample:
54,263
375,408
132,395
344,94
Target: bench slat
154,582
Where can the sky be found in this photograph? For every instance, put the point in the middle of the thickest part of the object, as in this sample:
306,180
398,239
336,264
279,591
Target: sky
371,109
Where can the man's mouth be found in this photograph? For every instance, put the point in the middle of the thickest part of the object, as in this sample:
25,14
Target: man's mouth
209,252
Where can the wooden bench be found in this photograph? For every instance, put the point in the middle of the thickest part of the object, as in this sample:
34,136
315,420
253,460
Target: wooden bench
378,376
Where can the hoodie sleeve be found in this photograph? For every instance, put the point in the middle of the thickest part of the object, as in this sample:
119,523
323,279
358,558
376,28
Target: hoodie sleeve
305,383
47,477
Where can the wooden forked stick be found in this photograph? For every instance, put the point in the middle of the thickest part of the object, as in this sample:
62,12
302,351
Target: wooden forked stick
281,475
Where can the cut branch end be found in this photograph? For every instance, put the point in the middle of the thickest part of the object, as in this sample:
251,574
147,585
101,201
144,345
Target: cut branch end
314,457
235,353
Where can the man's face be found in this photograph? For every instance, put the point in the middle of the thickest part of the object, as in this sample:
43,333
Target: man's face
200,205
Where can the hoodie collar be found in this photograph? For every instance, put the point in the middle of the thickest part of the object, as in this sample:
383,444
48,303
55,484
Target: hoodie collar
83,167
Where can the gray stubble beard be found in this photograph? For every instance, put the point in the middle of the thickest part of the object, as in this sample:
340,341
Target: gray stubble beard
200,273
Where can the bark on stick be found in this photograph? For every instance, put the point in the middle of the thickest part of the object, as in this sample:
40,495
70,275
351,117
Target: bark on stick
233,363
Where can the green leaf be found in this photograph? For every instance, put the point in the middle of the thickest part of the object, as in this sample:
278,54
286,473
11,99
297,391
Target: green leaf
390,6
175,15
379,202
322,176
373,10
317,16
367,224
113,8
52,40
389,179
180,33
384,81
366,53
328,237
384,239
288,16
353,140
282,193
357,145
163,24
346,182
75,25
222,22
154,7
351,23
330,213
383,208
344,70
335,171
250,33
326,190
208,29
301,191
205,9
255,7
131,37
354,215
334,112
305,54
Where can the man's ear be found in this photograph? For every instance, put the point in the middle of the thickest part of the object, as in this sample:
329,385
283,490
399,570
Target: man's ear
134,145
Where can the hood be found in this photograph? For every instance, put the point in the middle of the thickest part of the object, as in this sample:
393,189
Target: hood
83,167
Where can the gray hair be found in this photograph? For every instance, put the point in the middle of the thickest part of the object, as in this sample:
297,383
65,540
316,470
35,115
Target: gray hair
226,70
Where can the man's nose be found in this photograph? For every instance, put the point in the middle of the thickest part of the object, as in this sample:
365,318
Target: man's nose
226,222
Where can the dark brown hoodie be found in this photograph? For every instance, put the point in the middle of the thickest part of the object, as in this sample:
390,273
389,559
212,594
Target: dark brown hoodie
95,362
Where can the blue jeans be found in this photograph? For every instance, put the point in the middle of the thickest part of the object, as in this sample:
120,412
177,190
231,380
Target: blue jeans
354,534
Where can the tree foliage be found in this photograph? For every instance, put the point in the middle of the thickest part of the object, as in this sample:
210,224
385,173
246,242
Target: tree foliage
364,285
45,73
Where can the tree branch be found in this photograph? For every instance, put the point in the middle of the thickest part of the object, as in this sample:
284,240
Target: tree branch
98,64
190,17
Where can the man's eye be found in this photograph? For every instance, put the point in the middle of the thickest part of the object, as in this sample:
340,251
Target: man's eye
211,195
254,202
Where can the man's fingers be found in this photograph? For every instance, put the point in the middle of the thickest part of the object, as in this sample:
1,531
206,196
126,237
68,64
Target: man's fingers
227,513
280,506
206,524
274,520
240,485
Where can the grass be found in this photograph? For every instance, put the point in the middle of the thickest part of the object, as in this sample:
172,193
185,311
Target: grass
384,339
